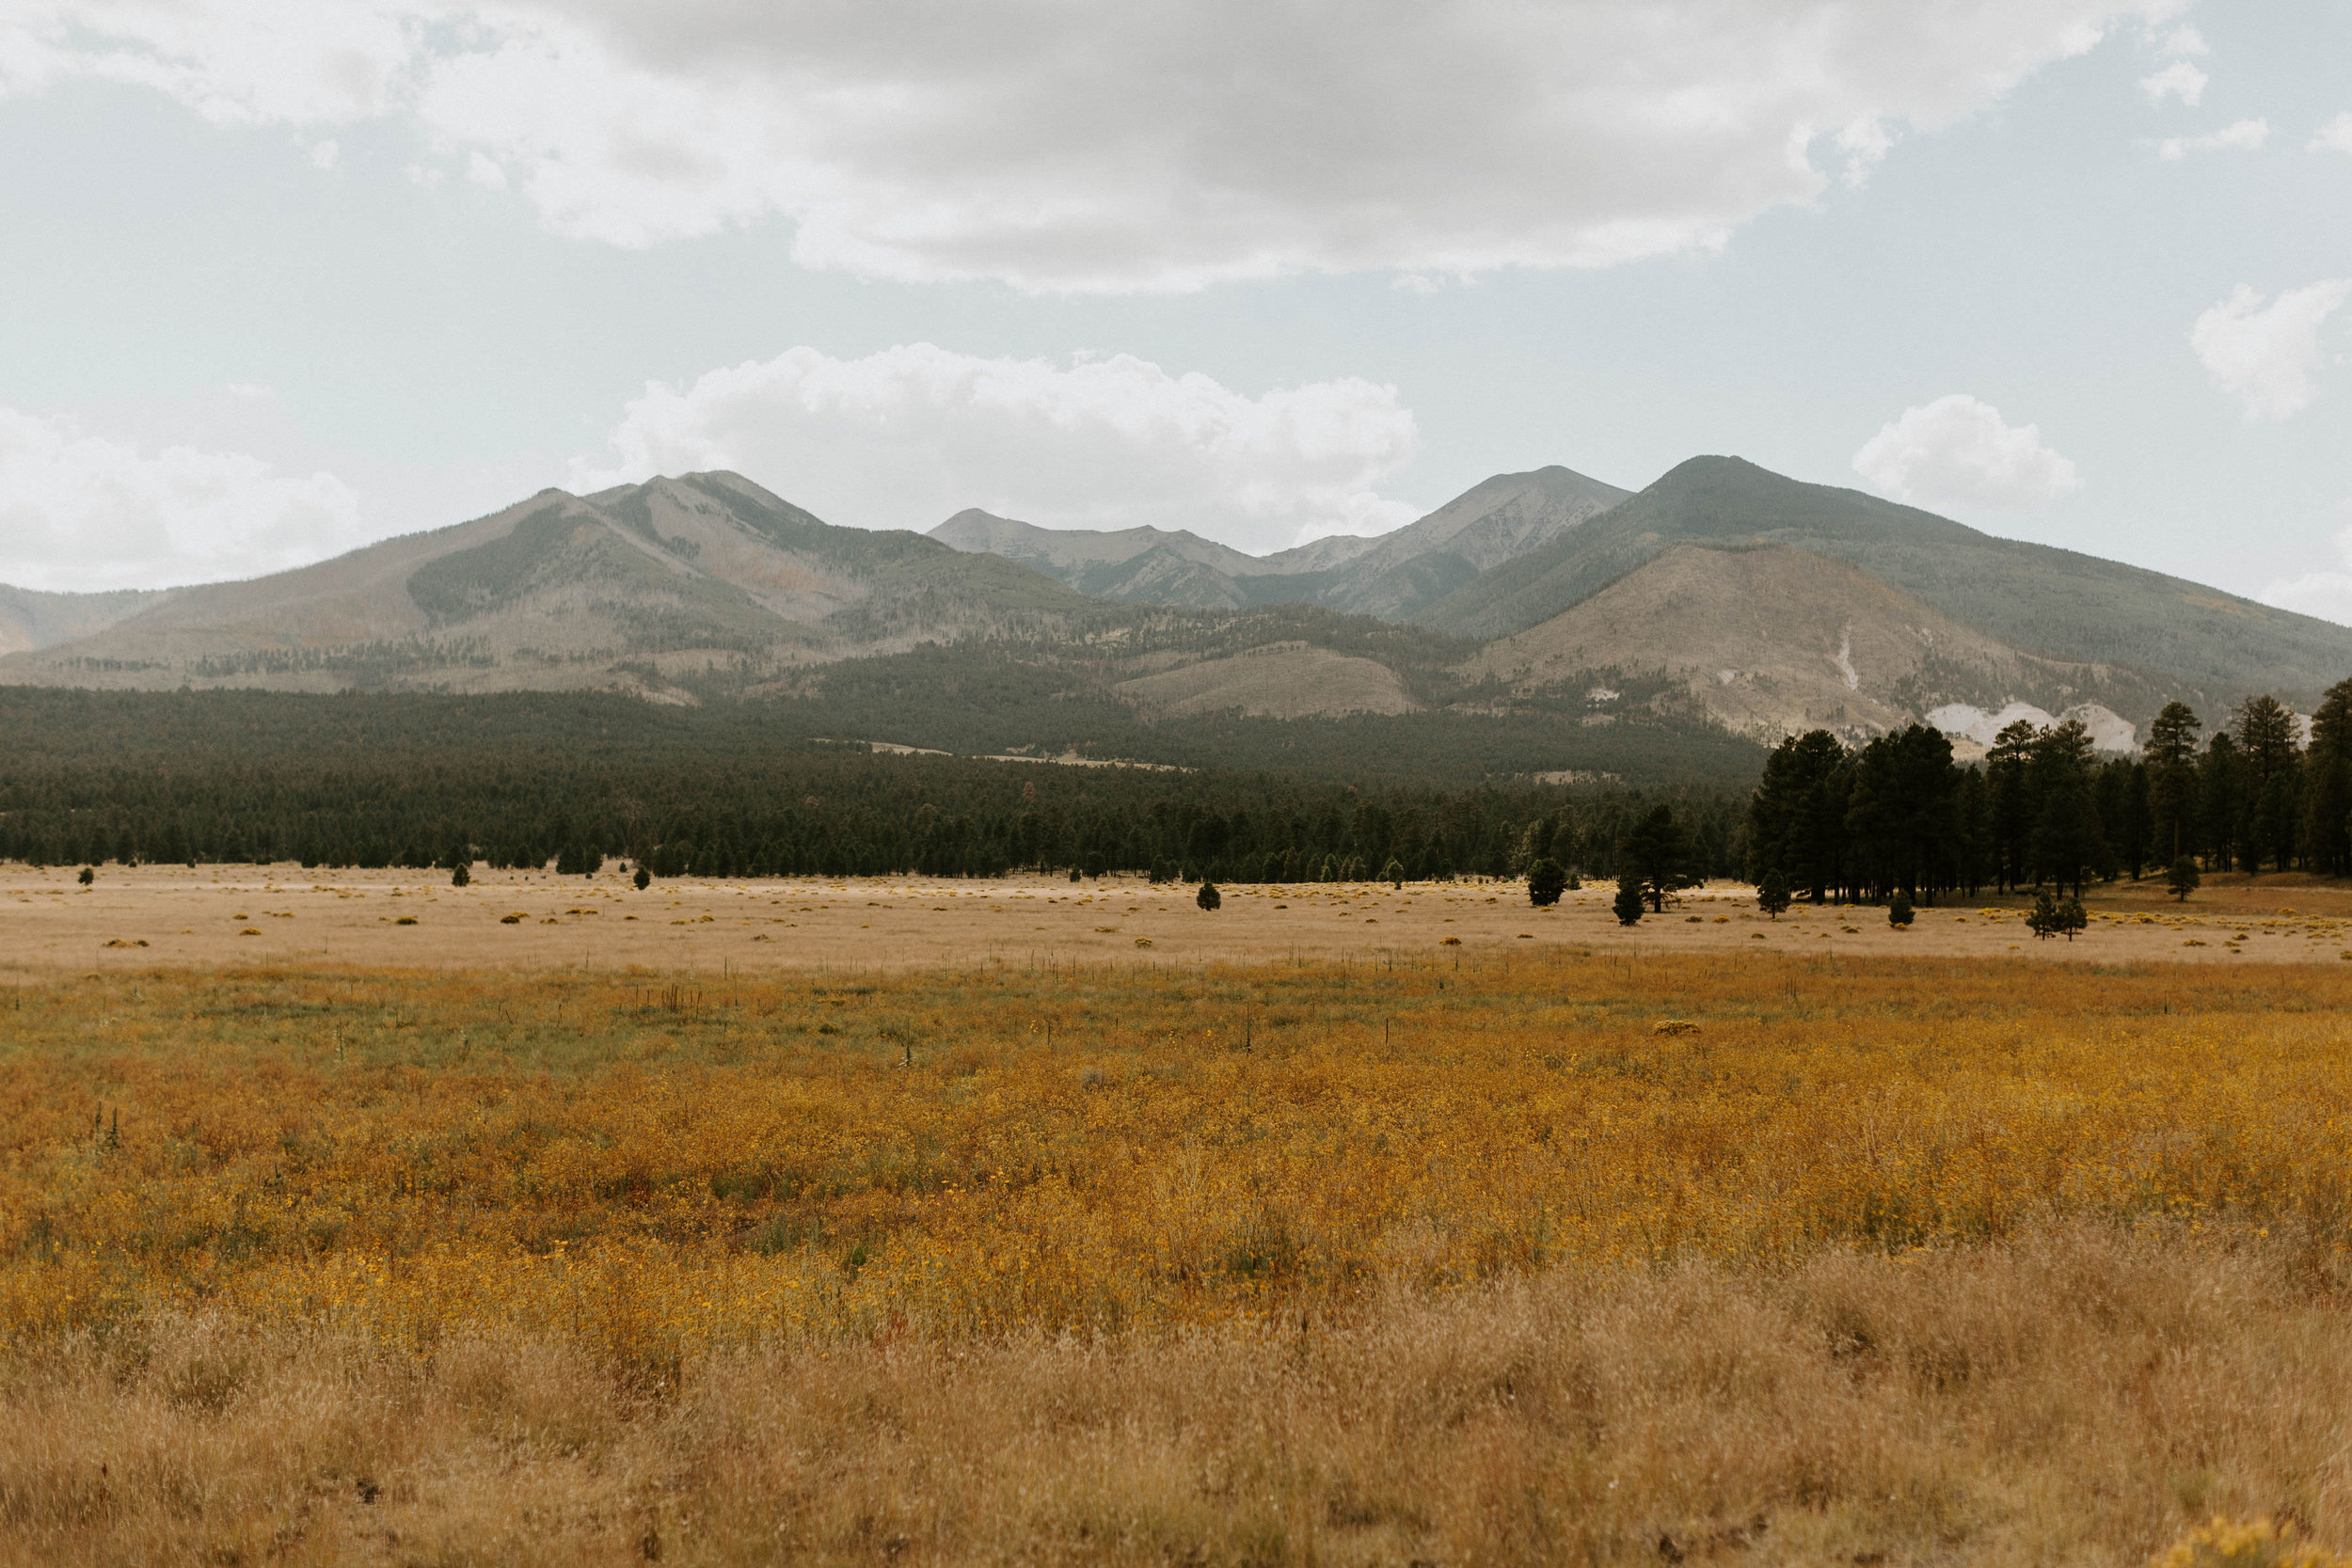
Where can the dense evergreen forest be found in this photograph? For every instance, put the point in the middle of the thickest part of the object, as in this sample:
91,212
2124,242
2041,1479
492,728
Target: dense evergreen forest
1899,815
529,779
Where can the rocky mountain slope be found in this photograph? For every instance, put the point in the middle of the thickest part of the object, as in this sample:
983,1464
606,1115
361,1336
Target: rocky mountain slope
2206,645
1772,640
634,587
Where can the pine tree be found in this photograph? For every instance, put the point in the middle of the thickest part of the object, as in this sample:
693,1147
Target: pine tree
2183,879
2328,784
2066,842
2171,754
1657,854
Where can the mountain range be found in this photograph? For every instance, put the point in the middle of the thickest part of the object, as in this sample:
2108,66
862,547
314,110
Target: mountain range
1722,596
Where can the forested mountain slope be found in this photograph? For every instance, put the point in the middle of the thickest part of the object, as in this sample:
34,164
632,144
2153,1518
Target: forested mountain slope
2055,604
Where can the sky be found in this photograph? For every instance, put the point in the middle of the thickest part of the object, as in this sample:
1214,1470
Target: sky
279,277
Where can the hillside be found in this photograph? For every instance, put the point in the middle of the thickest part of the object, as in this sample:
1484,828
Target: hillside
2197,642
638,587
30,619
1772,640
1150,565
1495,521
1392,576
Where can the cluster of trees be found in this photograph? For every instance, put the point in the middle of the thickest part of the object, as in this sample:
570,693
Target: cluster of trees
422,784
1897,817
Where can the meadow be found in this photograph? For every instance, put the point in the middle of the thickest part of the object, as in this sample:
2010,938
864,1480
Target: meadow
1505,1257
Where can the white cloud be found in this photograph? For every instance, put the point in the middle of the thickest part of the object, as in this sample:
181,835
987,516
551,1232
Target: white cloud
908,436
325,153
2326,595
79,511
2267,355
2334,136
1115,146
2183,42
1958,452
2244,137
2179,80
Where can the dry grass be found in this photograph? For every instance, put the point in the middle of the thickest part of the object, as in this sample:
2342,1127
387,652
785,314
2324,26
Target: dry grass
2075,1397
283,917
1938,1261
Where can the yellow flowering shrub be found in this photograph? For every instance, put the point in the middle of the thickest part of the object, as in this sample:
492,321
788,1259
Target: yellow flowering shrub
2246,1544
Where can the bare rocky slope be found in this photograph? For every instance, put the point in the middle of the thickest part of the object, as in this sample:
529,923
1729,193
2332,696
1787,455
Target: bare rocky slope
1773,640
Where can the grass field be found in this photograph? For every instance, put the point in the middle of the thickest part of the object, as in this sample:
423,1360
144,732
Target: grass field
1508,1258
281,916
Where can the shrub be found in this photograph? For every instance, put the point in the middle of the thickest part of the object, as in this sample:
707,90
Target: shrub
1546,881
1208,897
1899,913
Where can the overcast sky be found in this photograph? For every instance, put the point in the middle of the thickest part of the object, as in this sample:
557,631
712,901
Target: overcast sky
281,277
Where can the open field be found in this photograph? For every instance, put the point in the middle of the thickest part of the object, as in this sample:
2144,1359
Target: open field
1881,1261
246,916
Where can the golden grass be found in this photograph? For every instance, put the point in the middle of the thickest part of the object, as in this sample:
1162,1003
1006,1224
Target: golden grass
1936,1260
2079,1397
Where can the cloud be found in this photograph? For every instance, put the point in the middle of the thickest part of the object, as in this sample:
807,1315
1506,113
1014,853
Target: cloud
1958,452
2266,356
2334,136
2244,137
2326,595
79,511
2179,80
1117,148
908,436
2184,41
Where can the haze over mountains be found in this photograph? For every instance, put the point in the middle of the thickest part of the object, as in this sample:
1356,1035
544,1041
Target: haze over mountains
1722,595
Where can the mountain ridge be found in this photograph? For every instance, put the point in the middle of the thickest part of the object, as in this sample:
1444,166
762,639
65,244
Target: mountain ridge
2056,604
1720,595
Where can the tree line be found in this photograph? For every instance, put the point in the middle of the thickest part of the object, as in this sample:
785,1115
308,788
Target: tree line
417,783
1898,816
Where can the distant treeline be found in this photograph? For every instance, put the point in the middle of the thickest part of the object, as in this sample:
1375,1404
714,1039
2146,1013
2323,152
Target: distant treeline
1897,814
536,781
